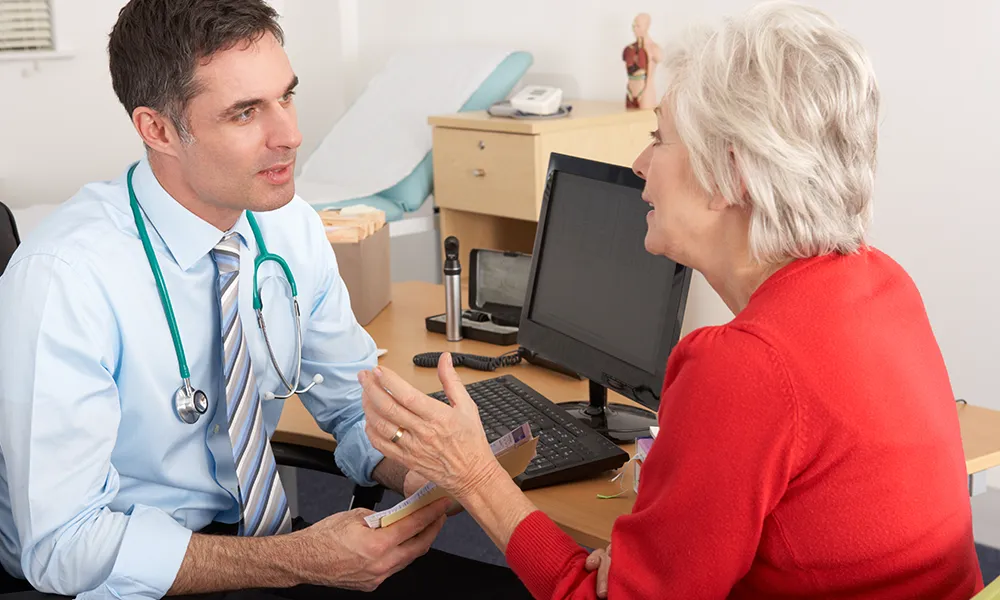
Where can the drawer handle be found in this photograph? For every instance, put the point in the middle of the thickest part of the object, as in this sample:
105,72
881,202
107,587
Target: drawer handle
482,145
479,173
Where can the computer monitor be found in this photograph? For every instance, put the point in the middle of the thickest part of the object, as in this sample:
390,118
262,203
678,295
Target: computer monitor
597,302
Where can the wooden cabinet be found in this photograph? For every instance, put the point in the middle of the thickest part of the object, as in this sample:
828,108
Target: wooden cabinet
485,172
489,173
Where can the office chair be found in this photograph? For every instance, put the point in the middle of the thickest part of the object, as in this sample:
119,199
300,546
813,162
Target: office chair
9,239
290,455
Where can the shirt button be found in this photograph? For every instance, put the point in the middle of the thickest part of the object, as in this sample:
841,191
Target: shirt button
215,430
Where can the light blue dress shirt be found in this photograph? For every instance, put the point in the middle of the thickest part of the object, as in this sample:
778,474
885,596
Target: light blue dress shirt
101,484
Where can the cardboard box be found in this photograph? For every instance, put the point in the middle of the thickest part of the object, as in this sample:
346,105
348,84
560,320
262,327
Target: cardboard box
351,227
365,269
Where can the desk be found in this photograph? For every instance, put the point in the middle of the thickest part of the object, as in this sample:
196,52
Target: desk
573,506
981,442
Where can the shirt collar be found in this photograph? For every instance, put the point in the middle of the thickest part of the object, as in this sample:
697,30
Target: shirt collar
186,235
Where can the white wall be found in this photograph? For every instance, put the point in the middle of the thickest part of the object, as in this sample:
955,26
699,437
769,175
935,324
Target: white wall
937,198
61,123
62,126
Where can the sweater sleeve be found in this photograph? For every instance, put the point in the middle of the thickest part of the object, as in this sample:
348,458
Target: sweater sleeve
549,562
720,464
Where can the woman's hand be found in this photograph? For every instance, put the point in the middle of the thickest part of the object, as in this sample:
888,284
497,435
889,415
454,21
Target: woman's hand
600,560
444,443
414,481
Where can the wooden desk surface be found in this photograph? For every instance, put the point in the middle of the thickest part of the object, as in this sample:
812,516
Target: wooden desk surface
980,437
573,506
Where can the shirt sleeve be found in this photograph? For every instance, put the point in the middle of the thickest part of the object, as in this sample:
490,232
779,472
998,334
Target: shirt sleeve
719,465
338,348
59,416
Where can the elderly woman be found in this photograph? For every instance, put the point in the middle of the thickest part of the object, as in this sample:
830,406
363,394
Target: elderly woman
809,447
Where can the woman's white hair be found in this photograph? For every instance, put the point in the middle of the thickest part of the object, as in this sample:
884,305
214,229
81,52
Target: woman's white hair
784,100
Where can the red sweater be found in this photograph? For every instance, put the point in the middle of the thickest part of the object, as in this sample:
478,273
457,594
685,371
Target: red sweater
808,448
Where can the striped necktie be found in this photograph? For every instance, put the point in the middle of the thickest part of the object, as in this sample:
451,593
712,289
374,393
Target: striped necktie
263,505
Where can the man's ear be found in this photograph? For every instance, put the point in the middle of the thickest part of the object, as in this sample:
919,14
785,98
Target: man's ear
156,130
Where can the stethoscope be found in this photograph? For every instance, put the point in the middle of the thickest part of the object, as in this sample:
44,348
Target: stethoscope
189,403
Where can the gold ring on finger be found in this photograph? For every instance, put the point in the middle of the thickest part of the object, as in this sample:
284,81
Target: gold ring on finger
398,435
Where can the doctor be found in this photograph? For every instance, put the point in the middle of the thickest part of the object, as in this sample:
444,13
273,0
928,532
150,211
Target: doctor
138,390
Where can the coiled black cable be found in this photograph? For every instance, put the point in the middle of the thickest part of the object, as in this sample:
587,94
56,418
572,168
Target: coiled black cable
472,361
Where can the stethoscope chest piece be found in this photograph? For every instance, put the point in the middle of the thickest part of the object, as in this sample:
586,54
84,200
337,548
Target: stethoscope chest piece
190,404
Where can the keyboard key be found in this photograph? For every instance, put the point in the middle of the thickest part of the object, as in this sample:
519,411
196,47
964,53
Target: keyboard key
561,461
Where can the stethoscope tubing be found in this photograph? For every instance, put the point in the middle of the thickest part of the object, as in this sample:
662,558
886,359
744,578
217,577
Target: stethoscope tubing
190,403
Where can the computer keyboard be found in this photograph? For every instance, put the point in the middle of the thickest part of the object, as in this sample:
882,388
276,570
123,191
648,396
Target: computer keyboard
567,450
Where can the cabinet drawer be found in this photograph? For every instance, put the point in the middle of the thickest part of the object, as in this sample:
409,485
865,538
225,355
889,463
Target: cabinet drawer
486,172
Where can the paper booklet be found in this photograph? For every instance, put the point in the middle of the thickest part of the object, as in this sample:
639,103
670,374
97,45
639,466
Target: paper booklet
513,451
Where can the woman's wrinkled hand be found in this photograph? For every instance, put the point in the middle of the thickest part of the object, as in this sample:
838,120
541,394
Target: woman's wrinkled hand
443,442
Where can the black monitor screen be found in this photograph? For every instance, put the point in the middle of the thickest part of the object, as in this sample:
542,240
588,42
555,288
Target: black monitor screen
595,281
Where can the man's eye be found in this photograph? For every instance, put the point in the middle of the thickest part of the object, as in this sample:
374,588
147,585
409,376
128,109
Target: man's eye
246,116
287,97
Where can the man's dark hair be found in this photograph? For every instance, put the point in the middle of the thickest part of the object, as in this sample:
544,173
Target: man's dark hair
156,45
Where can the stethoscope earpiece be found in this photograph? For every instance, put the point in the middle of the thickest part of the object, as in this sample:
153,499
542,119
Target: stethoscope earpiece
316,380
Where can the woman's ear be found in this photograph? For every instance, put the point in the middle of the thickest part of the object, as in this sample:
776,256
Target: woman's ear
718,200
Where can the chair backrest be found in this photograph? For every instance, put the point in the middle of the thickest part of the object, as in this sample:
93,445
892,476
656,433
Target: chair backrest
8,236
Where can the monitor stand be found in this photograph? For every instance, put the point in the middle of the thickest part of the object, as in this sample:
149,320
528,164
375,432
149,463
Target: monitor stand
619,423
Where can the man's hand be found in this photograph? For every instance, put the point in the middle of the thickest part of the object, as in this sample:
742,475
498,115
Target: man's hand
600,559
342,551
